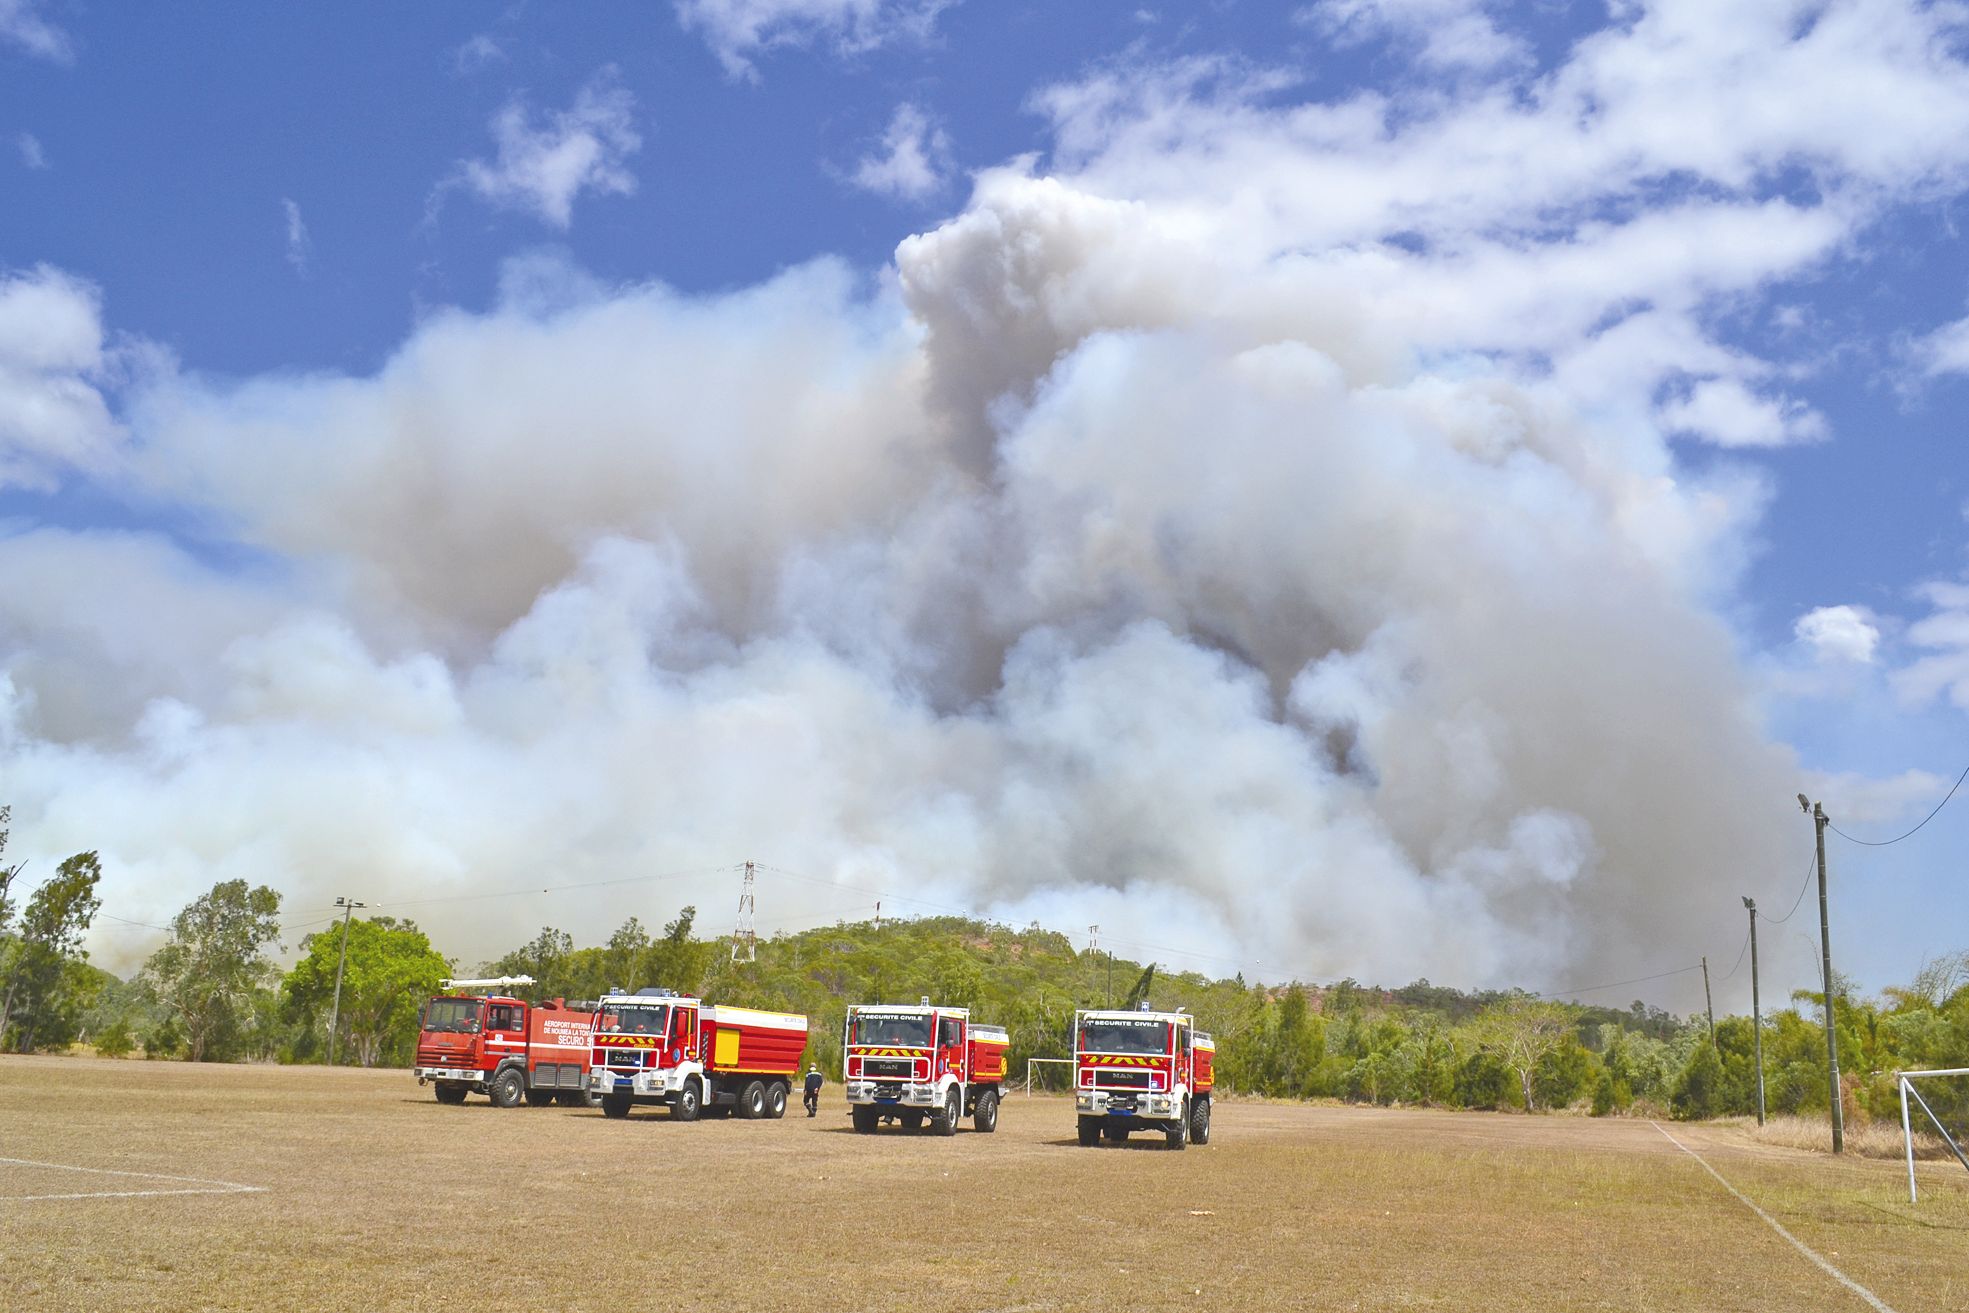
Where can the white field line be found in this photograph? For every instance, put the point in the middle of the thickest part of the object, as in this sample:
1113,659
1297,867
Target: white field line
1872,1299
200,1184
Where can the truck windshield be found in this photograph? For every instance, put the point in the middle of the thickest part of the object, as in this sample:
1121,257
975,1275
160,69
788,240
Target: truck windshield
634,1018
458,1015
1129,1036
903,1029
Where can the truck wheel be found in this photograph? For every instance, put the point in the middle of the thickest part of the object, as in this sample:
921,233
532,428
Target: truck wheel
865,1118
776,1100
539,1098
912,1119
984,1113
1116,1134
508,1088
578,1099
1200,1123
451,1093
1090,1132
752,1101
1178,1131
615,1105
690,1102
953,1111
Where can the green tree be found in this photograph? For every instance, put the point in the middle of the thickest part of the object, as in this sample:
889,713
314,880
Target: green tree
45,994
1698,1090
1520,1033
209,971
391,970
115,1041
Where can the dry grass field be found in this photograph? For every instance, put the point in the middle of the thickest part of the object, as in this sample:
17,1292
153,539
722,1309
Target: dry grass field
367,1195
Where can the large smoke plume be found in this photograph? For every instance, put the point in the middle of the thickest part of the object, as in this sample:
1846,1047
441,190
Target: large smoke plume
1258,534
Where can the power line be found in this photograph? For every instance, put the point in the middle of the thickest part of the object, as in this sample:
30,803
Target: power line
1616,984
554,888
1810,866
1882,843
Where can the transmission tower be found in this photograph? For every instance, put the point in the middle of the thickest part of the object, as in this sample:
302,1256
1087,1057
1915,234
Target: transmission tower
745,941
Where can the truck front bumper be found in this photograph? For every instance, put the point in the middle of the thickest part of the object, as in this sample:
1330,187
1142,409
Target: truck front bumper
425,1074
892,1094
642,1084
1121,1104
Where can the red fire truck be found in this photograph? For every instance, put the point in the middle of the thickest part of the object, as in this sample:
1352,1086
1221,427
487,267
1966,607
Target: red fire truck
654,1046
923,1063
1138,1071
501,1046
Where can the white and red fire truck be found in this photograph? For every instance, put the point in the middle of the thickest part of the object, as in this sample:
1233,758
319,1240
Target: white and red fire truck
654,1046
923,1063
494,1044
1139,1071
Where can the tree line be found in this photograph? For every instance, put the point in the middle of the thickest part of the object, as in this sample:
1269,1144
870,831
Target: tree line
213,993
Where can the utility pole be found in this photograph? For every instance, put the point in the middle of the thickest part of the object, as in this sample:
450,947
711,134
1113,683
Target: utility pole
1708,1004
1819,822
745,939
1094,943
1756,1009
348,906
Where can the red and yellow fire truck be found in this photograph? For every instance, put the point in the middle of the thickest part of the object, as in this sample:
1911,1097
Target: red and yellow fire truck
923,1063
1138,1071
501,1046
654,1046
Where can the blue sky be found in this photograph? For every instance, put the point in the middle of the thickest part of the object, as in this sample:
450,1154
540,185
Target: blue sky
381,387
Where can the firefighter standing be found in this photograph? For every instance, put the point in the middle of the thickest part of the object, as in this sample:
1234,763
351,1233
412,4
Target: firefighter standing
812,1096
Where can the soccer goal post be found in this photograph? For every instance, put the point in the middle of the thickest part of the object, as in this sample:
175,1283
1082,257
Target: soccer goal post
1036,1062
1908,1091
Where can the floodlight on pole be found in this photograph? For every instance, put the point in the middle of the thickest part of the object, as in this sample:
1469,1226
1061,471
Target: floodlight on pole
348,906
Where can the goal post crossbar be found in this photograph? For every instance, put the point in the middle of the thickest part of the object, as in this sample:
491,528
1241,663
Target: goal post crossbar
1906,1079
1030,1062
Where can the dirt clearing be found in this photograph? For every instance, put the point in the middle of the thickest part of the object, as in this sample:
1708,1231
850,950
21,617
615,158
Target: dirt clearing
373,1196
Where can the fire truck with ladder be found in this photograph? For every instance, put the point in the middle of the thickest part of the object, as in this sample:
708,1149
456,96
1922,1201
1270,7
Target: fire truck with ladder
1140,1071
501,1046
654,1046
922,1064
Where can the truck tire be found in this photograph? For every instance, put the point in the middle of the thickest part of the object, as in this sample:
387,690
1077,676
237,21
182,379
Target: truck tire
1178,1131
776,1100
984,1111
616,1105
912,1119
1090,1132
689,1102
507,1088
1116,1134
578,1099
539,1098
865,1117
953,1111
451,1093
752,1100
1200,1122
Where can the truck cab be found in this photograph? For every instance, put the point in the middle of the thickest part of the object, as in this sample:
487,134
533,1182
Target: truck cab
491,1043
1142,1071
921,1064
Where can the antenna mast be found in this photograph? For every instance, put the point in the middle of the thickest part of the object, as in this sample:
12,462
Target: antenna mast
745,941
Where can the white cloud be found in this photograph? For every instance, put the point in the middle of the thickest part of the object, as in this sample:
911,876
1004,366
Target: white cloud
299,248
545,162
480,52
1839,633
1446,34
913,161
1729,414
32,156
22,26
53,363
1944,635
1946,350
739,30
